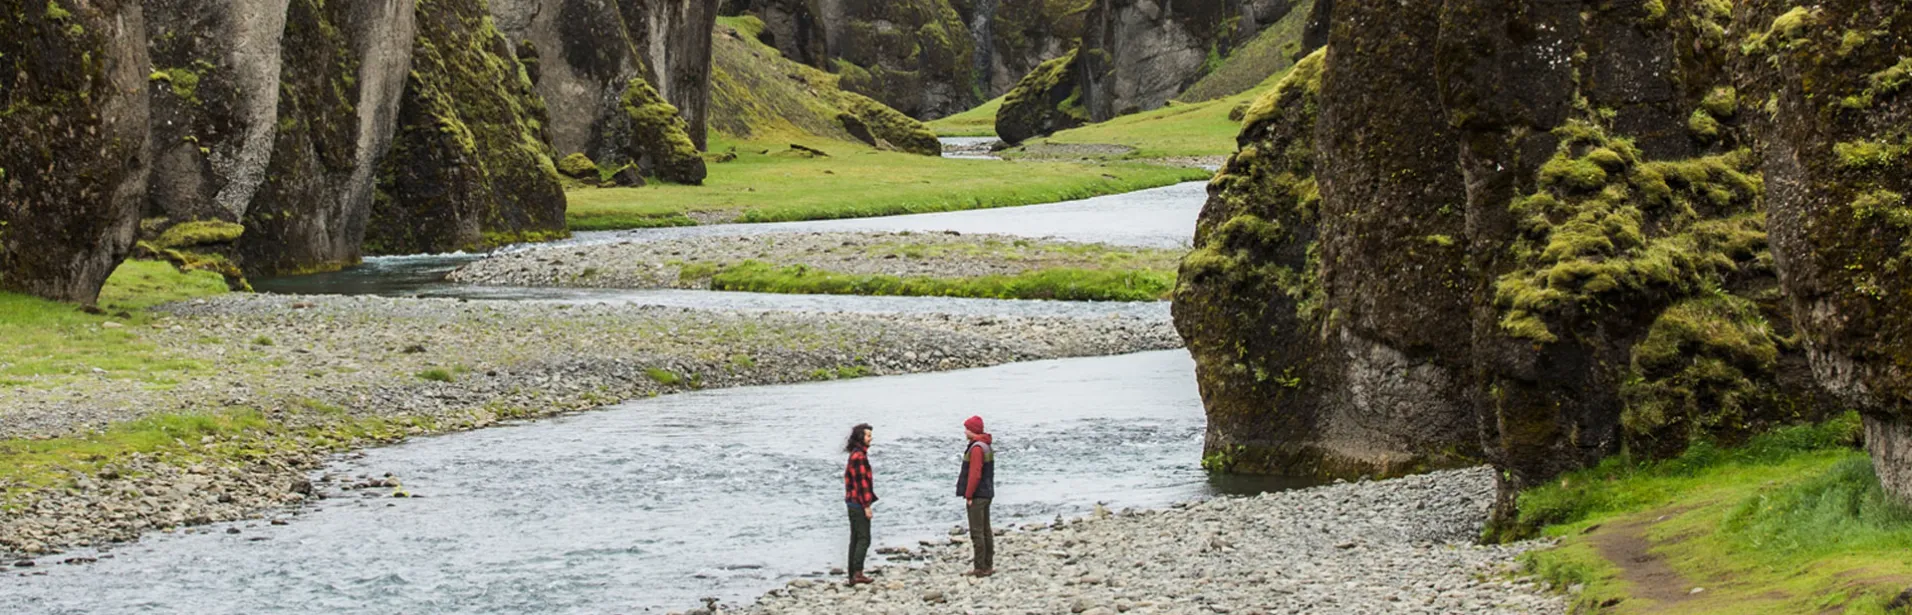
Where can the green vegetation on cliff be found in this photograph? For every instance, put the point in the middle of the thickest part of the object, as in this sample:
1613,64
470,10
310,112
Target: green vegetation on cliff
758,95
1794,521
1249,66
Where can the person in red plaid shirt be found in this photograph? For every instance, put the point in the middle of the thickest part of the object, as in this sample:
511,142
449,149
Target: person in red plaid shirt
859,492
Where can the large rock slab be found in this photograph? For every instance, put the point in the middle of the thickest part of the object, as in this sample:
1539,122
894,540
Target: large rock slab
76,155
215,102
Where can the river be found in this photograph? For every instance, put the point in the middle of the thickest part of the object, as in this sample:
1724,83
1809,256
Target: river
655,504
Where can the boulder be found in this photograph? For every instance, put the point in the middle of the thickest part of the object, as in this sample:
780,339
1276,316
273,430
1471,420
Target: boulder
77,156
1048,99
469,167
336,113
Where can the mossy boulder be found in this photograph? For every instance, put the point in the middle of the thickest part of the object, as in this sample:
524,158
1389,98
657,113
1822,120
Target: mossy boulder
660,141
74,164
1836,119
344,66
469,168
1046,100
578,166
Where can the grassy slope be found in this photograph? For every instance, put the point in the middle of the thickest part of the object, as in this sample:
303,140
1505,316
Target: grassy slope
1270,53
1179,129
45,342
977,122
1795,522
757,108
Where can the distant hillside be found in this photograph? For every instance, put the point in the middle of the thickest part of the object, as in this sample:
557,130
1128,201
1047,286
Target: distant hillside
758,95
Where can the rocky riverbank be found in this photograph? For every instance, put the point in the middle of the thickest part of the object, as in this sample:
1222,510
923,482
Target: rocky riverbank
690,262
1396,546
327,374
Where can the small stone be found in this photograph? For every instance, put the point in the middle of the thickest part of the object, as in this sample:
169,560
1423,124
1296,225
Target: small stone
934,596
111,325
232,530
25,563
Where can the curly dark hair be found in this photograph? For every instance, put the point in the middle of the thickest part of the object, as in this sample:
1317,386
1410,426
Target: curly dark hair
856,437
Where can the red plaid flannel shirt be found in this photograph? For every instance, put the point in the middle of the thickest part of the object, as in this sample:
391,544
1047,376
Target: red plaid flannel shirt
858,487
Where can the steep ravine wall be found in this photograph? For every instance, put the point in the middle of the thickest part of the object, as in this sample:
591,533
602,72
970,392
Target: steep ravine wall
1830,81
230,135
76,155
1540,233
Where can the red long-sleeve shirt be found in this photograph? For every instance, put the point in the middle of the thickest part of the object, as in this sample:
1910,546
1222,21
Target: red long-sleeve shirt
859,482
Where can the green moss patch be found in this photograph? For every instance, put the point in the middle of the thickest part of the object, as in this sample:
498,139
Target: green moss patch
1059,284
1270,53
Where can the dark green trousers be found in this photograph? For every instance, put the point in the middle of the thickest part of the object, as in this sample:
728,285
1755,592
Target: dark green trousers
859,539
981,535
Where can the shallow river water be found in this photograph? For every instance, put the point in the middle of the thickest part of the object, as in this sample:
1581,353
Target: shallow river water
656,504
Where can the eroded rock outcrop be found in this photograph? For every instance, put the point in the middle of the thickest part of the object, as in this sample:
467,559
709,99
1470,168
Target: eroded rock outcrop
336,111
215,99
1546,212
1355,367
76,155
589,58
469,167
1834,119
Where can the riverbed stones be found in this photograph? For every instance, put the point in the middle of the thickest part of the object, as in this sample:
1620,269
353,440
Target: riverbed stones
339,358
1414,552
665,263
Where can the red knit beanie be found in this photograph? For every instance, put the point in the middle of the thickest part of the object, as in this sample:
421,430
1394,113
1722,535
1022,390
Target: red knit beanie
974,424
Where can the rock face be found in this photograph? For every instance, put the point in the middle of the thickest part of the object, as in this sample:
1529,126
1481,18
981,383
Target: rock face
335,116
1549,214
674,37
1835,132
917,56
215,98
585,55
76,156
1137,54
469,167
1344,220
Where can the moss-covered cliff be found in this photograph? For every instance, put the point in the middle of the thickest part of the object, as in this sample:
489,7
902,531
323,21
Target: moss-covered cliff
469,167
335,117
1825,86
74,164
1550,214
588,59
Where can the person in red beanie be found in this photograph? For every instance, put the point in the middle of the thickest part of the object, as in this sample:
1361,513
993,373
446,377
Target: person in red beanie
977,486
